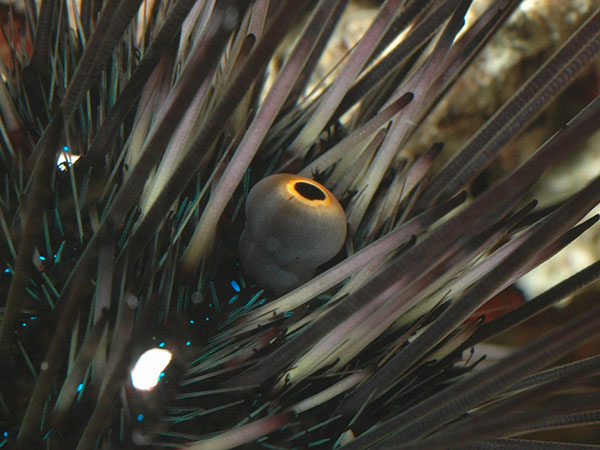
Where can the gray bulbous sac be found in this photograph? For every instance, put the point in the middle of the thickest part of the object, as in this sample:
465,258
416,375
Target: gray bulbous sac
293,225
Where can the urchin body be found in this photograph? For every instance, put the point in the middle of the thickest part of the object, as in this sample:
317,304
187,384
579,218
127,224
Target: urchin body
367,349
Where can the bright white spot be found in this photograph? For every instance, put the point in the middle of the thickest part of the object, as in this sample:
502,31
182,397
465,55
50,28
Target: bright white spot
131,301
197,297
146,372
44,366
140,438
65,160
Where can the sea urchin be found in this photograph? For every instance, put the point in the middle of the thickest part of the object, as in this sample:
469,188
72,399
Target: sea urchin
162,116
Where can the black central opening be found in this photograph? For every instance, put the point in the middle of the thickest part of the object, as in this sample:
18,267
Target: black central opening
309,191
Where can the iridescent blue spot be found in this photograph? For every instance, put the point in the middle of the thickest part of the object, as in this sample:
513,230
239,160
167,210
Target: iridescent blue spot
5,434
233,299
140,417
42,258
235,286
6,270
192,321
23,324
80,387
207,319
65,148
32,317
188,343
162,374
161,345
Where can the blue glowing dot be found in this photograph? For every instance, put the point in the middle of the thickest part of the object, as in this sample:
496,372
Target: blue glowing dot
32,317
140,417
80,387
188,343
5,434
162,374
42,258
192,321
161,345
235,286
6,270
65,148
207,319
23,324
